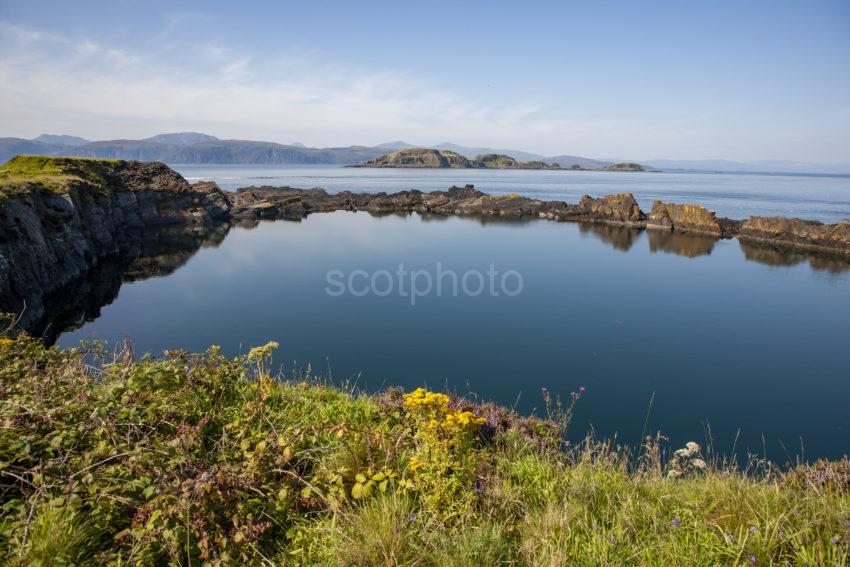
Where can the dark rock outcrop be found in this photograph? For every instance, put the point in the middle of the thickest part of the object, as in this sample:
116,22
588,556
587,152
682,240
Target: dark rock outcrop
59,226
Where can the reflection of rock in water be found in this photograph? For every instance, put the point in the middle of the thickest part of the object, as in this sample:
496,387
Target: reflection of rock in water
619,237
681,243
152,253
786,256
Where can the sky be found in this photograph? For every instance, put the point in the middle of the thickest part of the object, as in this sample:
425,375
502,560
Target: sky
682,79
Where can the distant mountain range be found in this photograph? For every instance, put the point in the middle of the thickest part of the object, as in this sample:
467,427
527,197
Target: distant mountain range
194,147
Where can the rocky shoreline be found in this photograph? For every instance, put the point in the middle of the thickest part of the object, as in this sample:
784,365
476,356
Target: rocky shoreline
620,209
55,234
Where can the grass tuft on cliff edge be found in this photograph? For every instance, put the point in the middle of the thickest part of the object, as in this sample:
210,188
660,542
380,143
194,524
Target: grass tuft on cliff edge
53,174
191,458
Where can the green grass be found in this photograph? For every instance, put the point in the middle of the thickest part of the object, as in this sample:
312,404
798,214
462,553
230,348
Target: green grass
190,459
22,174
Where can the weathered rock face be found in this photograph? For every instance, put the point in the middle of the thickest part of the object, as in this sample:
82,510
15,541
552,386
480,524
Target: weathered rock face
689,218
798,232
49,238
619,208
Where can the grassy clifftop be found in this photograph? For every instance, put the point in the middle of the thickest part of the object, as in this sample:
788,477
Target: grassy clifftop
60,175
54,174
193,458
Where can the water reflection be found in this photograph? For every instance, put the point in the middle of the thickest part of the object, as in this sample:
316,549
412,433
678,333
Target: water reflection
152,253
682,244
785,256
620,238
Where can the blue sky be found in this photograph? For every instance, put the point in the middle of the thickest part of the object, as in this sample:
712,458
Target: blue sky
634,80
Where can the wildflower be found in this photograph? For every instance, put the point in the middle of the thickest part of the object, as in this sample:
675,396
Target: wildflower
730,538
692,447
582,389
676,522
753,529
698,463
412,517
753,559
673,473
834,539
567,443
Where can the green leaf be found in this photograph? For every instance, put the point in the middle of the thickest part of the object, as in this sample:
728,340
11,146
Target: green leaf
305,492
357,490
154,517
361,478
378,477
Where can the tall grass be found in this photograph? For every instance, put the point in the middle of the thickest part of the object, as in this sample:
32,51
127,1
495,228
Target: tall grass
192,459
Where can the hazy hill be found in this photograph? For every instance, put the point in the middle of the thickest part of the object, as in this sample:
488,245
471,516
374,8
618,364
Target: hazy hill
62,140
182,138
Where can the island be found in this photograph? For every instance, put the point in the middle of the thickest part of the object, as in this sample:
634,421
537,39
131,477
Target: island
427,158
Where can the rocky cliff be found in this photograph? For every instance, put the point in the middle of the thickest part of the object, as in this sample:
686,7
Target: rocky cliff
59,217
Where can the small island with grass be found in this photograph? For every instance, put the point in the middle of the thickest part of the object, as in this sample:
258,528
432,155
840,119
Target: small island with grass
426,158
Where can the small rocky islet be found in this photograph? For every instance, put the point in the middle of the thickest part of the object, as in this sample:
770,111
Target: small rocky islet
61,218
427,158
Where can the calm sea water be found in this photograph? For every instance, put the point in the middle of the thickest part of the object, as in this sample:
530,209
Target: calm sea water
750,343
818,197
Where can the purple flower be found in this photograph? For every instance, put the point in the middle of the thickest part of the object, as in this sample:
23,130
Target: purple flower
567,443
834,539
676,522
412,517
582,389
753,559
754,529
730,537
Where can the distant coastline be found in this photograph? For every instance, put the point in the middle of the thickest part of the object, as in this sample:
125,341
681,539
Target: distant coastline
184,148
